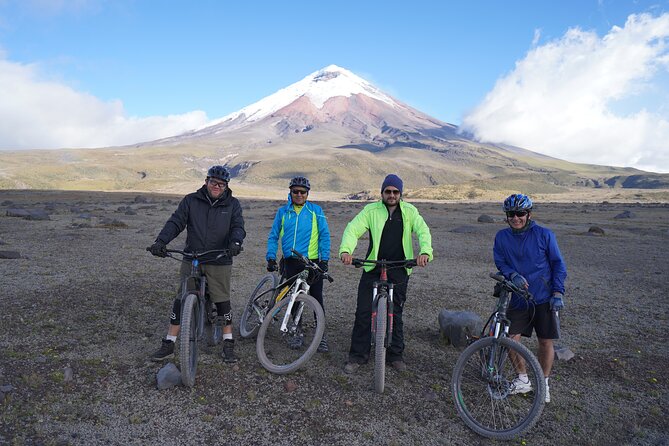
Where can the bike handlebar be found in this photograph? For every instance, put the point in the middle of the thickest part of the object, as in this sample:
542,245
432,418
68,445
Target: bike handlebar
198,255
389,264
312,265
510,286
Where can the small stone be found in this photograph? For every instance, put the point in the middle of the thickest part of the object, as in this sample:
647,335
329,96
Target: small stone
68,374
595,230
168,376
289,386
563,353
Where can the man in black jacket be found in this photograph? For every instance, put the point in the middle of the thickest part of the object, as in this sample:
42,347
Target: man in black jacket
213,219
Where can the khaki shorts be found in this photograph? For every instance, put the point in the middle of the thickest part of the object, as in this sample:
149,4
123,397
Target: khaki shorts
218,280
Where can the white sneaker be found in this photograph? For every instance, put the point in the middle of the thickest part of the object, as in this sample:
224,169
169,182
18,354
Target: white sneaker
520,386
548,395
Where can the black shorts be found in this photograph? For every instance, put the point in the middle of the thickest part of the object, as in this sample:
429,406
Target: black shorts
539,318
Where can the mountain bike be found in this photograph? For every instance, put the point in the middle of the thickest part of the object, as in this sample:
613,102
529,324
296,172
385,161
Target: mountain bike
288,322
382,314
198,312
483,376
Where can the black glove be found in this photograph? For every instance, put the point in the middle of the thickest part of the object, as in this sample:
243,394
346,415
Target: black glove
272,266
158,249
323,264
235,248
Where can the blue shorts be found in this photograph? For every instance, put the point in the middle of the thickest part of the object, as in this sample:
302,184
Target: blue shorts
539,318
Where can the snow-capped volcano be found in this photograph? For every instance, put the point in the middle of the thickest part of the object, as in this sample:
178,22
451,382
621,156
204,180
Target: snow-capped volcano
318,87
332,97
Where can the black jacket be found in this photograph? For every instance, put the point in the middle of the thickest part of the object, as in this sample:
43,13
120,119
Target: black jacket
209,224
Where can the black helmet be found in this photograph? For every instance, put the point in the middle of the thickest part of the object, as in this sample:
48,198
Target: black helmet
219,172
300,181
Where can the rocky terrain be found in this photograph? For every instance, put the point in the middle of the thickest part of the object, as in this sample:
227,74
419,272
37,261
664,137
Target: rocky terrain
84,305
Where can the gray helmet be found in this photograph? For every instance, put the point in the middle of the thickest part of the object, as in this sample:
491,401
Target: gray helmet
517,202
219,172
301,182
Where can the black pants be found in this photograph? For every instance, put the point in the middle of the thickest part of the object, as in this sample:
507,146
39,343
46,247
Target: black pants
361,336
292,267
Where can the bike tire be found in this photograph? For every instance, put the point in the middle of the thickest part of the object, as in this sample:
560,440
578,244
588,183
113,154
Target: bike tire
249,324
271,345
188,348
379,344
482,395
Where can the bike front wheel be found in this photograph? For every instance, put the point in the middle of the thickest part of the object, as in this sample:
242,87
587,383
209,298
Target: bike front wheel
188,348
483,390
256,307
379,344
284,352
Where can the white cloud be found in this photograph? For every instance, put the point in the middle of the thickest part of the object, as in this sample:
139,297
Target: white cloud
39,113
564,98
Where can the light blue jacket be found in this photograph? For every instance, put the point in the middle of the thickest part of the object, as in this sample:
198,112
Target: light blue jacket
306,232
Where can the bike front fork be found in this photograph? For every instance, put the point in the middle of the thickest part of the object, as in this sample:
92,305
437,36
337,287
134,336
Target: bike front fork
389,319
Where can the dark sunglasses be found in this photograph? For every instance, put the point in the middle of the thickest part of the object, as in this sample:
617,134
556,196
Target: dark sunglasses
391,192
512,214
299,191
218,184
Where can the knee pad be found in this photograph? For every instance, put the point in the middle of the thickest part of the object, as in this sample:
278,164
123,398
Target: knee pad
175,317
224,310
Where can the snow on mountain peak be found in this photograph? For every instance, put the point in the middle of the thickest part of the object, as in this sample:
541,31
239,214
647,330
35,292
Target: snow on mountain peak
319,86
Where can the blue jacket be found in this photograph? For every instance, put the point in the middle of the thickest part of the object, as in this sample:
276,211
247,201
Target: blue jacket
534,254
306,233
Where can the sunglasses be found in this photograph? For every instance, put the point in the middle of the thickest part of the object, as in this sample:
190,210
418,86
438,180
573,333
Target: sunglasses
391,192
299,192
218,184
512,214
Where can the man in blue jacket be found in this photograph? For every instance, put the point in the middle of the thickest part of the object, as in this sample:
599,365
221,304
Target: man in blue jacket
528,255
213,219
302,226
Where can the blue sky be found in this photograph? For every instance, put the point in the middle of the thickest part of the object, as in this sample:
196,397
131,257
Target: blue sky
579,80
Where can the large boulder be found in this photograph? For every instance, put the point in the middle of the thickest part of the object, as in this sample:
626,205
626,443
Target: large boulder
459,326
168,376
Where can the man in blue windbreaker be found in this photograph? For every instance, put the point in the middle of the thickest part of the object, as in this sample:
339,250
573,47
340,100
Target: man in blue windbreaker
528,255
302,226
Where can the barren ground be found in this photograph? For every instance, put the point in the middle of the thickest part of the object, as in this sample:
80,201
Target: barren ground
86,295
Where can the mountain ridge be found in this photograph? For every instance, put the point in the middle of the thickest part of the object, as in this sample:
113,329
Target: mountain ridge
334,127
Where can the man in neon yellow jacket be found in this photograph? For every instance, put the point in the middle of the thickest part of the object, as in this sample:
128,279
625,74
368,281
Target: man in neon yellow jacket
390,224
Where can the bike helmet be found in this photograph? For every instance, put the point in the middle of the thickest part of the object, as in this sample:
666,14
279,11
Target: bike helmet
301,182
219,172
517,202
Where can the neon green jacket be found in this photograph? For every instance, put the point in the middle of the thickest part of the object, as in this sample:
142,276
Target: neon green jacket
372,218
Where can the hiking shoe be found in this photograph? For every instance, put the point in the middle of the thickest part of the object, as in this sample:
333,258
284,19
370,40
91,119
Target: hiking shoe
548,395
399,365
296,341
323,346
351,367
520,386
229,351
165,351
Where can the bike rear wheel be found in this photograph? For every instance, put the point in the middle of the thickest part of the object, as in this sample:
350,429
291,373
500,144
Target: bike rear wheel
188,348
280,352
482,389
379,344
257,306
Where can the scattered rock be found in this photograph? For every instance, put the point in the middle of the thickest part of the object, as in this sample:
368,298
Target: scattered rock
563,353
430,396
23,213
465,230
458,326
595,230
289,386
84,216
485,218
68,374
7,203
626,214
38,214
130,212
6,388
362,195
167,377
10,255
140,199
112,223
